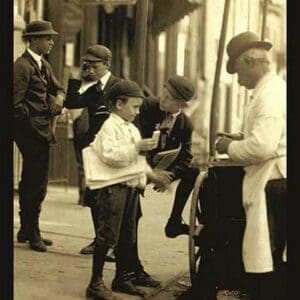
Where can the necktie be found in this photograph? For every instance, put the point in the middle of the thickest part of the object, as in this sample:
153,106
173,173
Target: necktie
167,123
43,71
165,129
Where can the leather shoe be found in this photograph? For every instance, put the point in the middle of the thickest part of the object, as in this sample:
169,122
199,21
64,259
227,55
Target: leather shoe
38,246
142,278
126,286
175,228
89,249
99,291
22,238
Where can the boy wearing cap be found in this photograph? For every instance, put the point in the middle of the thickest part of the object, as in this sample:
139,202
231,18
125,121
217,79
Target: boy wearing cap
38,97
90,92
165,114
118,144
262,150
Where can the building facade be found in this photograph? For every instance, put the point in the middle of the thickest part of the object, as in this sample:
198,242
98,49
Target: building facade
182,38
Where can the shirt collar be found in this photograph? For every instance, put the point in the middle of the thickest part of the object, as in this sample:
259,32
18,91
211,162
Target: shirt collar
261,82
175,115
104,79
36,57
118,119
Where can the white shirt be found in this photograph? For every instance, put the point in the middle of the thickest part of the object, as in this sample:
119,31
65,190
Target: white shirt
104,79
265,125
115,144
36,57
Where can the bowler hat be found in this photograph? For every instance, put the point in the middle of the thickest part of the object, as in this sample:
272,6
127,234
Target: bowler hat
180,87
39,27
241,43
97,53
123,89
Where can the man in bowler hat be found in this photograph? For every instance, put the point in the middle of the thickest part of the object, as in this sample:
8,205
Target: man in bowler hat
90,91
261,148
38,97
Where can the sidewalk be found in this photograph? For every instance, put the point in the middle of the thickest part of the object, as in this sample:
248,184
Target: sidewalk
62,273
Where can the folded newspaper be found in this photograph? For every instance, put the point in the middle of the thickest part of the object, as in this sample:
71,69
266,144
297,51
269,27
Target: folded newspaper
163,159
98,174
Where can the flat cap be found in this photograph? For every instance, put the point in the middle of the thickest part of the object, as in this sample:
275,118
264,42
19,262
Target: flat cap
241,43
180,87
97,53
39,27
123,89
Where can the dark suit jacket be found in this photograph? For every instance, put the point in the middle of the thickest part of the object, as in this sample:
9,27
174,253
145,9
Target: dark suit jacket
150,118
94,99
33,95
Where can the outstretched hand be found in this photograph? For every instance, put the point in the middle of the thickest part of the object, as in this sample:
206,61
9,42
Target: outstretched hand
146,144
162,180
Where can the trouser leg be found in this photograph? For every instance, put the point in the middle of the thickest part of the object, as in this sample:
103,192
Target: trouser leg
34,179
99,255
182,193
94,214
125,250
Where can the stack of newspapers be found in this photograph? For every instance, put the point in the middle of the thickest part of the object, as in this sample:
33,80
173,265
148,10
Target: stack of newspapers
98,174
163,159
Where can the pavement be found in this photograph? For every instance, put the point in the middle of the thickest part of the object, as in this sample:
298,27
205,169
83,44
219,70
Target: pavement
62,273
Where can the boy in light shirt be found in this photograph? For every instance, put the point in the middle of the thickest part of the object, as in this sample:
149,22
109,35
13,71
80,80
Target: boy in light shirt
118,143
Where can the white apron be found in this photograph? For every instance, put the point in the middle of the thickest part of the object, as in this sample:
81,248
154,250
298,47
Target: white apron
257,255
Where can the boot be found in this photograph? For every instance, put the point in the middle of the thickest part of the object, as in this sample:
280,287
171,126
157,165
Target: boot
98,290
123,283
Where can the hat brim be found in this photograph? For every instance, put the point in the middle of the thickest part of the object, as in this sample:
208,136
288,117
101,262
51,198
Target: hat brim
230,67
38,33
90,57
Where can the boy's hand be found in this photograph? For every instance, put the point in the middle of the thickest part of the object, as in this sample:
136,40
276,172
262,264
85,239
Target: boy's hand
161,179
146,144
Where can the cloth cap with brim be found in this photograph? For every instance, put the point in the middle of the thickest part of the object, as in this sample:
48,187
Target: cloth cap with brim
37,28
97,53
180,87
124,89
241,43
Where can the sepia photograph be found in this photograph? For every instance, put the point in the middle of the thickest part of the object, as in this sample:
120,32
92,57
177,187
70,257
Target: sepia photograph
149,149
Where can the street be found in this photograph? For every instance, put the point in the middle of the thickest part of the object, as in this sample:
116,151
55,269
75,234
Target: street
62,273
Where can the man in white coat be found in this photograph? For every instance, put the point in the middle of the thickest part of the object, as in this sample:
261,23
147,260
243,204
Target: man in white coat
261,148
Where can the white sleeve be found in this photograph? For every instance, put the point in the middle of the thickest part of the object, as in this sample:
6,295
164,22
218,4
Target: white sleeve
262,142
116,153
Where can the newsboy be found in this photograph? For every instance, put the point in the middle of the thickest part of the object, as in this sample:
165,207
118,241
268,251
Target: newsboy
262,150
90,91
38,97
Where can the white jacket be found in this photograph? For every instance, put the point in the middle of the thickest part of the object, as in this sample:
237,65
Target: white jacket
263,152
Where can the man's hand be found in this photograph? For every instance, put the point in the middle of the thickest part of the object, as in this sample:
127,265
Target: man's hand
57,105
55,109
146,144
222,145
233,136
